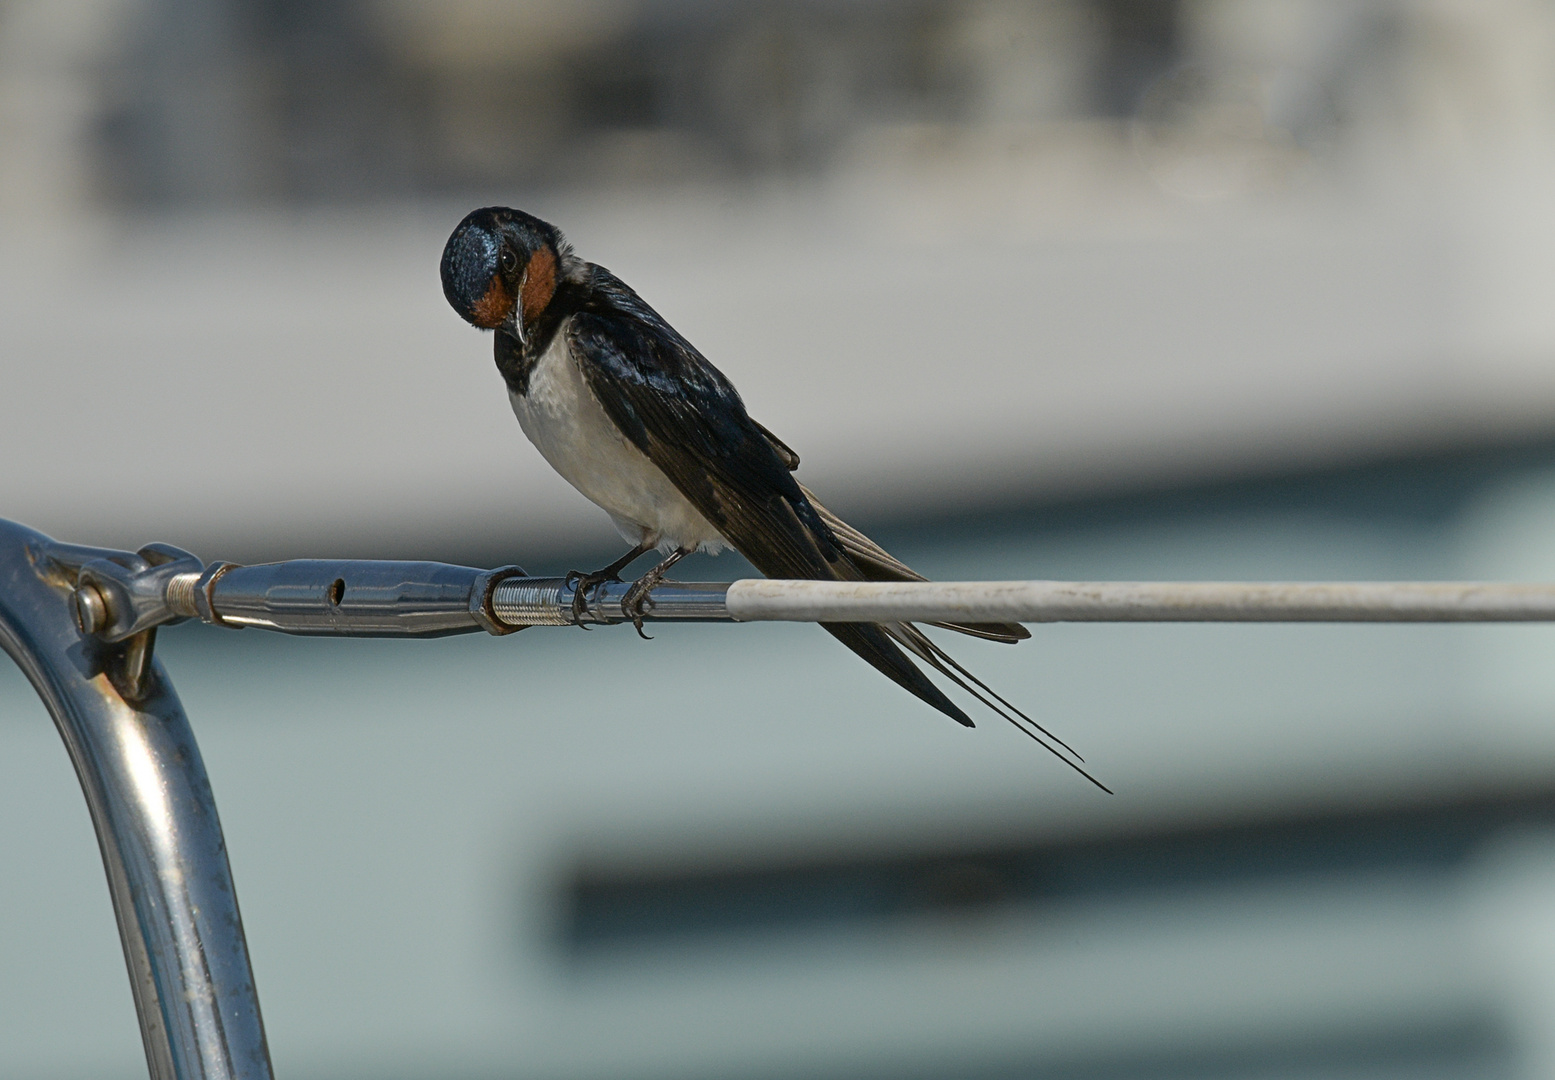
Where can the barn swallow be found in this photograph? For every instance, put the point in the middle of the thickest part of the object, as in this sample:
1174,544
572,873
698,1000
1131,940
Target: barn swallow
635,418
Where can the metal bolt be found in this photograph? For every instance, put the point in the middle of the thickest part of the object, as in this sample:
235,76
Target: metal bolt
91,609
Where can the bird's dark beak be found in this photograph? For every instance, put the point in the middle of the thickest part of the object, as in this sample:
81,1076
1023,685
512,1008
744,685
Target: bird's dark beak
513,325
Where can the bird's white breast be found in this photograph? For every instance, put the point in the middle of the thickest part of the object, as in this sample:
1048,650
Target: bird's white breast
572,431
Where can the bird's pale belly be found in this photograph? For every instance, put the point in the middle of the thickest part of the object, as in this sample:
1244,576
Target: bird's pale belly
572,431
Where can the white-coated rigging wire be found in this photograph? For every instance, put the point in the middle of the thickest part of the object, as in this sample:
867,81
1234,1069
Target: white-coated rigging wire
756,600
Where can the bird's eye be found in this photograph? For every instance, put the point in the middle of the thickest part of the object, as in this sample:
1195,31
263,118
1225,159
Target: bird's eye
509,262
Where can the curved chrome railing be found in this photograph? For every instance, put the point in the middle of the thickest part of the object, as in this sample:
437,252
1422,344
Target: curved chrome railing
152,807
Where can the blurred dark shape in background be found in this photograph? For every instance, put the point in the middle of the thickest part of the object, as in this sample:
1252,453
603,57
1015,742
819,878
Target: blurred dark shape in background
232,100
341,100
176,103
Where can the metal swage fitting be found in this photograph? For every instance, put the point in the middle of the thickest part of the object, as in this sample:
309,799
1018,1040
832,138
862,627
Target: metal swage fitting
521,602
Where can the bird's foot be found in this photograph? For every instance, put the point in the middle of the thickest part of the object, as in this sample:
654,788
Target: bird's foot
636,602
582,584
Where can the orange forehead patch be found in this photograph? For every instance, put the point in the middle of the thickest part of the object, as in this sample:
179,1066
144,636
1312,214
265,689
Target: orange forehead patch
539,283
491,310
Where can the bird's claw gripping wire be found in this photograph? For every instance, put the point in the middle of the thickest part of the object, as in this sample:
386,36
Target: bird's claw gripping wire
636,602
582,583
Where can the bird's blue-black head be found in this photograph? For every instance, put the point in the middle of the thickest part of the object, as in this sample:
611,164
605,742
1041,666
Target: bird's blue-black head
500,269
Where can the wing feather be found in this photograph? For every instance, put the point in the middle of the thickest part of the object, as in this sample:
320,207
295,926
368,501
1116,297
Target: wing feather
880,565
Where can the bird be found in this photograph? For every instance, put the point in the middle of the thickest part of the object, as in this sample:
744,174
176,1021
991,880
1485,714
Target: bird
644,426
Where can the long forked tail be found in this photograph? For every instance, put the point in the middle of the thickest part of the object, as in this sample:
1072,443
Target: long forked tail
874,644
917,642
879,646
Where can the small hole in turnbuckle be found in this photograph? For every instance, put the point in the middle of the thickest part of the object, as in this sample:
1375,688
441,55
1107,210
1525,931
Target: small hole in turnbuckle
337,592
